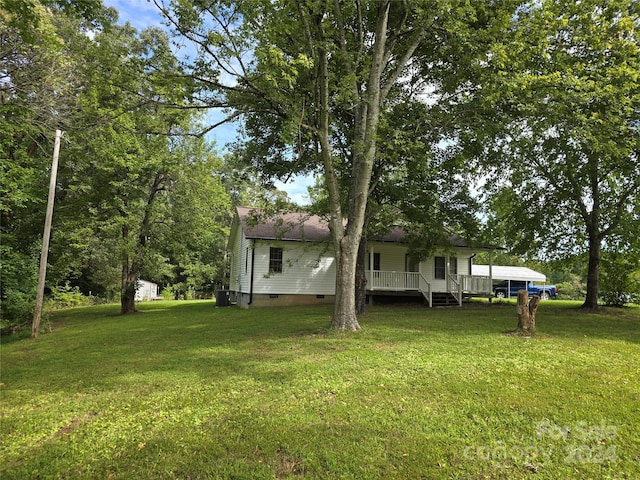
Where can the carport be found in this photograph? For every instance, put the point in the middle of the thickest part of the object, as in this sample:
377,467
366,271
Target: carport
509,274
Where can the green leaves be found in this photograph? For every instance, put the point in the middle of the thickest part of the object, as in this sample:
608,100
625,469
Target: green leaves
124,161
567,103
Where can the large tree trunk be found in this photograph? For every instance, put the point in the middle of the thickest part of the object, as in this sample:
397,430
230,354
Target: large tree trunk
593,273
364,151
361,277
128,280
127,289
133,261
347,240
344,310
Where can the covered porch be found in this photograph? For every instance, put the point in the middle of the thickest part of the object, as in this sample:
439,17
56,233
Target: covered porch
460,286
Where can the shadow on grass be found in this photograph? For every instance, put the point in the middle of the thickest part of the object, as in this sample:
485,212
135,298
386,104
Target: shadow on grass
224,392
89,348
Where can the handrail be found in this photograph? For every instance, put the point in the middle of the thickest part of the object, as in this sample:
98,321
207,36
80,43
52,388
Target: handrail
425,289
472,283
456,287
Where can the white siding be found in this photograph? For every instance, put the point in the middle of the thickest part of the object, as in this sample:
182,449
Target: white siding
234,267
306,269
309,269
391,256
146,291
427,268
244,264
241,264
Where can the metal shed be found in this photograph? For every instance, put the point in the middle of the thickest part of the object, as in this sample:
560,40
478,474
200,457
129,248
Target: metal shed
146,290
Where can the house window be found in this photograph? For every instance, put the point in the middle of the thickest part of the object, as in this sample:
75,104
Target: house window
275,260
453,265
440,268
376,261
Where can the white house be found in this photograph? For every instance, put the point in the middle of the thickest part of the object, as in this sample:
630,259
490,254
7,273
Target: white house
289,260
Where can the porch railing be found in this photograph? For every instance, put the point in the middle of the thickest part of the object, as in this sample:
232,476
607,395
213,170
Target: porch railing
425,288
394,281
399,282
475,284
458,285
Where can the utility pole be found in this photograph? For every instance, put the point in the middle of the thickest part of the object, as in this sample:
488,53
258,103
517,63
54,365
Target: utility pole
45,238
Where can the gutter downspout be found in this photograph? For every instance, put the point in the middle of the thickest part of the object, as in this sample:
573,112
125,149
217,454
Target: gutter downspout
253,256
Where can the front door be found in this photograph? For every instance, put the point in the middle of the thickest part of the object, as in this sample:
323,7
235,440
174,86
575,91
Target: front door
411,264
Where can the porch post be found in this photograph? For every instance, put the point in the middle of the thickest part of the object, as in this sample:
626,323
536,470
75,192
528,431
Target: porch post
371,275
491,267
490,274
446,273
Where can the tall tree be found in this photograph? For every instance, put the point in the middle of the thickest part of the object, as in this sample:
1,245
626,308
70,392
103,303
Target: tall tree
38,85
566,89
133,183
310,81
135,164
417,180
192,224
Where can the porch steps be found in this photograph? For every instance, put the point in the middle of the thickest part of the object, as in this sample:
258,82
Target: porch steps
443,299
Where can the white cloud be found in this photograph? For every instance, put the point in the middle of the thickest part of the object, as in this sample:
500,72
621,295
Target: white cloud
296,188
139,13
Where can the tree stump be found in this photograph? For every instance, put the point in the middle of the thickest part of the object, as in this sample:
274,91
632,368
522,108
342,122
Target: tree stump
527,311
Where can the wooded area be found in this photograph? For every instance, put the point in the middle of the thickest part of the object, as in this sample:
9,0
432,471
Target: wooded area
514,123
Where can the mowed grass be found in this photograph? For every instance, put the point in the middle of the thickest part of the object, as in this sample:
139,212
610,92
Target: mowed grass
186,390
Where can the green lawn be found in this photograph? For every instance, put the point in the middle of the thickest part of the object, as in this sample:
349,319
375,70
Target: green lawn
187,390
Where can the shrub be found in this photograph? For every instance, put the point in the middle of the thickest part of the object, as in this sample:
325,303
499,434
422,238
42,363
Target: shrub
16,310
574,289
18,279
619,283
66,296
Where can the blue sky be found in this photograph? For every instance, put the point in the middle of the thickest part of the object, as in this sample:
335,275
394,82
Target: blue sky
142,14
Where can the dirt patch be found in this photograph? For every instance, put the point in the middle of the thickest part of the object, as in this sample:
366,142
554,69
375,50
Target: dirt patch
288,465
75,423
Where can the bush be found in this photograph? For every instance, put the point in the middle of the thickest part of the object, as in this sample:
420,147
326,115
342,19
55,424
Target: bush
18,280
574,289
16,310
169,293
178,291
619,282
66,296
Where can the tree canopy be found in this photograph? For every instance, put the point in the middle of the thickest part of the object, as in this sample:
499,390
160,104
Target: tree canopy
312,81
561,139
390,102
133,181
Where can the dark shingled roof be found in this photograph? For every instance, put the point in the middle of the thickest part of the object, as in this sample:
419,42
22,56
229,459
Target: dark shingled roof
303,227
299,227
397,234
